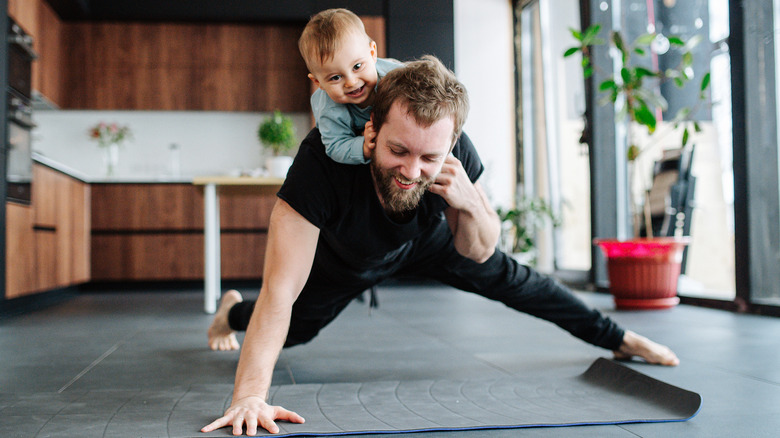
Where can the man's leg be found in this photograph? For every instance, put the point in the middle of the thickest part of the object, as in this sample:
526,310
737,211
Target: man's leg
329,289
501,278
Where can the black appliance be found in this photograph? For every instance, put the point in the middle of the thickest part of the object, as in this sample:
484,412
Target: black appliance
19,124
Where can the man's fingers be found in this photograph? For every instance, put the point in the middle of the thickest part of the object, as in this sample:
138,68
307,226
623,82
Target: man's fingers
292,417
218,423
238,423
251,426
269,425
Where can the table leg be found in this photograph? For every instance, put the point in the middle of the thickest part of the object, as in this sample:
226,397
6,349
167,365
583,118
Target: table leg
212,280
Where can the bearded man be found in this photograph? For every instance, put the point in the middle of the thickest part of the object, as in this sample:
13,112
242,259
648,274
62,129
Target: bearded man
418,209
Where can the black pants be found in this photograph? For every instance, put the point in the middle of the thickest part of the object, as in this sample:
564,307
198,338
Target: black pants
332,285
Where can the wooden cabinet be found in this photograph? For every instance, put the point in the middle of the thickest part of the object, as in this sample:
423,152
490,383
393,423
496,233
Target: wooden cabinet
167,66
19,250
155,232
40,21
47,243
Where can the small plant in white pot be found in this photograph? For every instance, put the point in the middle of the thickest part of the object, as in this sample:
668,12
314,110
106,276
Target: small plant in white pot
277,133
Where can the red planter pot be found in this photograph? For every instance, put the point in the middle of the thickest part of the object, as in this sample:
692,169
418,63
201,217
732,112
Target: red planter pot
643,273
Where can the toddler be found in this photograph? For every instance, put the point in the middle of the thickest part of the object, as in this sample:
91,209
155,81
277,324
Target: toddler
342,62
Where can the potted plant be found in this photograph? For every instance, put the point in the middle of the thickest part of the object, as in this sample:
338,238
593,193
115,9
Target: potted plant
643,272
277,134
519,226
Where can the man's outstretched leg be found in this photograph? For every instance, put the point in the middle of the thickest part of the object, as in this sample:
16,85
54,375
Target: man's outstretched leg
221,336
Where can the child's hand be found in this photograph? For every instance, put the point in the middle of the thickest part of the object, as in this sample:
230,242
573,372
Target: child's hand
369,140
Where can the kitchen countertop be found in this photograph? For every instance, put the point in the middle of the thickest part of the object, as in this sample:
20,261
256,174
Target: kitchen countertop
238,180
122,179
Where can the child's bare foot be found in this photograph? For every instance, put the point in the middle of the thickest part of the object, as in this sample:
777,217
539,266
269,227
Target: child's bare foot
635,345
221,337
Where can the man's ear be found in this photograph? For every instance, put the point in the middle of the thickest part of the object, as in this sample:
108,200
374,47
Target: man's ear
314,80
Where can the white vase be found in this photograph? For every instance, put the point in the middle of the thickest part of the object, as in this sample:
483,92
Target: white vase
111,159
278,166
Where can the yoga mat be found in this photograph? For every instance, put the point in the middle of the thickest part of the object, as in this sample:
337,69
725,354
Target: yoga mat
607,393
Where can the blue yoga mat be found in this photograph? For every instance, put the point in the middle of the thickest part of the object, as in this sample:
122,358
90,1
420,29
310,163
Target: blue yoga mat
607,393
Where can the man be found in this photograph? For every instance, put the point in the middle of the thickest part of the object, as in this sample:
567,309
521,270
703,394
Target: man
416,208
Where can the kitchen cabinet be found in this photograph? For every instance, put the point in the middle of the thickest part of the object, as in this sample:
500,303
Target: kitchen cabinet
40,21
47,242
180,66
152,232
19,250
169,66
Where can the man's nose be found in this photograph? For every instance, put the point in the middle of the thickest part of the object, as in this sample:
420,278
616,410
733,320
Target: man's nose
411,170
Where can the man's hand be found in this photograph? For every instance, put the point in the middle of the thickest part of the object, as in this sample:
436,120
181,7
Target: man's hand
253,411
474,224
454,185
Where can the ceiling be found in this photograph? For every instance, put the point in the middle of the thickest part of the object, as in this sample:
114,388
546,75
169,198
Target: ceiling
205,10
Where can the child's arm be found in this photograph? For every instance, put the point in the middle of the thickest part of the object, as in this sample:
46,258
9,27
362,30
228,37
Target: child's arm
342,146
335,125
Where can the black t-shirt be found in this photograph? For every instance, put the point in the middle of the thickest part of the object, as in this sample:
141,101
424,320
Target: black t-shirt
340,200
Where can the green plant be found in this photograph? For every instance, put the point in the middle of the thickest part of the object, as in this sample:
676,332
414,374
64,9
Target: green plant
635,86
277,133
521,223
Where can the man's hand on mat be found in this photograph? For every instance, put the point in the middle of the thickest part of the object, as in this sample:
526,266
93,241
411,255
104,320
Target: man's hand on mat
253,411
635,345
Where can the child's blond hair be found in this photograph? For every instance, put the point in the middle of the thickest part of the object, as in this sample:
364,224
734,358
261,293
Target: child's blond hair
325,31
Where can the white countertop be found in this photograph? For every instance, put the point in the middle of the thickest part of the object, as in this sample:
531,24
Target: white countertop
102,179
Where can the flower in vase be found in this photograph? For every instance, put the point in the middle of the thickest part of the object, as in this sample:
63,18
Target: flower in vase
107,134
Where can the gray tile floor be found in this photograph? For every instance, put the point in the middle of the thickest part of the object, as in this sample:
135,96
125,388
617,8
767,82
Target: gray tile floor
136,364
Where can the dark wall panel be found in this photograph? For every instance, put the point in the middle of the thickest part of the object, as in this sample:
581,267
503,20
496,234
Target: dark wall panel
419,28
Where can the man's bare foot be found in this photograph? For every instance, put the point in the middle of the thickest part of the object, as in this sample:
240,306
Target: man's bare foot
221,337
635,345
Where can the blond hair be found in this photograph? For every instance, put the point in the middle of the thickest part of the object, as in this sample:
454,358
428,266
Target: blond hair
428,90
325,31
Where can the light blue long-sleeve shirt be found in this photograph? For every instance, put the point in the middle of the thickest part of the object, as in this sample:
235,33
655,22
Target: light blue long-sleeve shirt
340,123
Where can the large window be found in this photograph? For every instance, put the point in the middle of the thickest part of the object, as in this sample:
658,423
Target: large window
554,163
734,256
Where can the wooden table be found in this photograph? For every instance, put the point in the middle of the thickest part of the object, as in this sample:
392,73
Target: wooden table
211,277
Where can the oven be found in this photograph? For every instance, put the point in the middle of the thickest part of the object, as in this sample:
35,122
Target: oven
19,120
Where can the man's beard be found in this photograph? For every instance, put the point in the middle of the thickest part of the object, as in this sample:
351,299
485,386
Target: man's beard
398,203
